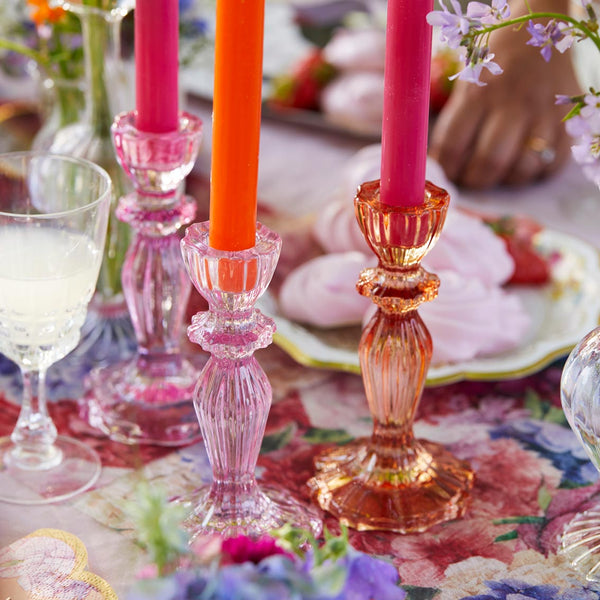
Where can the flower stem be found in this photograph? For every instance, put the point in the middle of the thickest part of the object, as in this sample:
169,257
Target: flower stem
38,57
542,15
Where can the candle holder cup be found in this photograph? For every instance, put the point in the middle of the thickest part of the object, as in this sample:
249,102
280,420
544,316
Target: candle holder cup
392,481
147,399
233,394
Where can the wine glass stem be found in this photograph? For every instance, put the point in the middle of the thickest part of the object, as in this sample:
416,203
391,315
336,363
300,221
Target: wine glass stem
35,433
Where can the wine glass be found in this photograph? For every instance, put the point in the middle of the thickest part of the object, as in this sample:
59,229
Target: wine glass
53,220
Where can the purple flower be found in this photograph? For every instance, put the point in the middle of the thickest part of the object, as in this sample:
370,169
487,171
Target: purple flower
479,13
510,588
479,59
507,589
456,26
585,128
453,25
552,35
370,578
563,99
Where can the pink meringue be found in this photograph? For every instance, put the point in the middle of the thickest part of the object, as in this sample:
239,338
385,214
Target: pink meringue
322,291
337,230
468,246
354,100
356,50
470,319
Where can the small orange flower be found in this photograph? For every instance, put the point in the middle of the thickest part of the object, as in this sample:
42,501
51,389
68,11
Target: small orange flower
41,13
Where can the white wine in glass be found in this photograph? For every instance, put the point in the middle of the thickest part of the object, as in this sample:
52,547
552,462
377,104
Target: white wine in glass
53,218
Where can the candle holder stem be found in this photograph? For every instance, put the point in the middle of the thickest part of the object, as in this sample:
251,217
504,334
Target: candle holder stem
233,394
392,481
147,399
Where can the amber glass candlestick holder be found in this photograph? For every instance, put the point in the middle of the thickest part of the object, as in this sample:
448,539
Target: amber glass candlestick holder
393,481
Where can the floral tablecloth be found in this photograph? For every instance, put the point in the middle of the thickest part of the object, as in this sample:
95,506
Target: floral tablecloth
531,475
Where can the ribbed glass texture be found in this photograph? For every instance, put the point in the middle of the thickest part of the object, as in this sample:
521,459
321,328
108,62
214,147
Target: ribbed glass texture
156,162
148,399
233,395
580,396
392,481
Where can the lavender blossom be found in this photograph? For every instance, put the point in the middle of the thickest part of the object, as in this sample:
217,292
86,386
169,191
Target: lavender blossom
453,25
486,14
585,128
552,35
479,59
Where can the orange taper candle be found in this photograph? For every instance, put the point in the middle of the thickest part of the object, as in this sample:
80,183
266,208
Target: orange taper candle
236,123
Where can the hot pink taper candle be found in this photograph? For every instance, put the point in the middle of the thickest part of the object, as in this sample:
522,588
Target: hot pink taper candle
405,102
156,25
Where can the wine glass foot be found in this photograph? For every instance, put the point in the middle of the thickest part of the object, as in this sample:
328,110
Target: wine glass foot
356,485
580,543
77,470
135,407
257,514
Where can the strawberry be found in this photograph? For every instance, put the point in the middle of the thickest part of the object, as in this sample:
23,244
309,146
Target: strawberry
301,87
518,233
444,64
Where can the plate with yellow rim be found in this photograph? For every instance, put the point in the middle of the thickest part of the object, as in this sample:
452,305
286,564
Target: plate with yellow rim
562,312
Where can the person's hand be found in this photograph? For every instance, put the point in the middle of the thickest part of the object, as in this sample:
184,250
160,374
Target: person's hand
509,131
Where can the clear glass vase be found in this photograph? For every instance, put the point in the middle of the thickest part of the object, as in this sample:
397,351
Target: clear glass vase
108,334
62,102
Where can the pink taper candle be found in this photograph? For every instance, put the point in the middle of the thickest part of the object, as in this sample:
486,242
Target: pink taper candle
405,102
156,24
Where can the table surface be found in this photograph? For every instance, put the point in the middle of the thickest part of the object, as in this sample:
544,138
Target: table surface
531,473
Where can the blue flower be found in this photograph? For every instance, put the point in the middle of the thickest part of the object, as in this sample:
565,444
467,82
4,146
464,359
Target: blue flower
510,588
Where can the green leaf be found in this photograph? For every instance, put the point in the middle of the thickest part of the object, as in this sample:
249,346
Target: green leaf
542,410
278,439
419,593
315,435
520,520
544,498
567,484
505,537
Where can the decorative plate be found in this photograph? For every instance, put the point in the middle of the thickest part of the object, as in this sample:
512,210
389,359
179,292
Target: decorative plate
561,312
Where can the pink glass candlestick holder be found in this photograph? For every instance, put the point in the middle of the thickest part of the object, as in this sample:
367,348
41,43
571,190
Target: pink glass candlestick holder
147,399
392,481
233,394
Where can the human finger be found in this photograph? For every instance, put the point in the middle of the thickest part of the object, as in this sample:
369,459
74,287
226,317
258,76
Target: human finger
499,141
454,132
